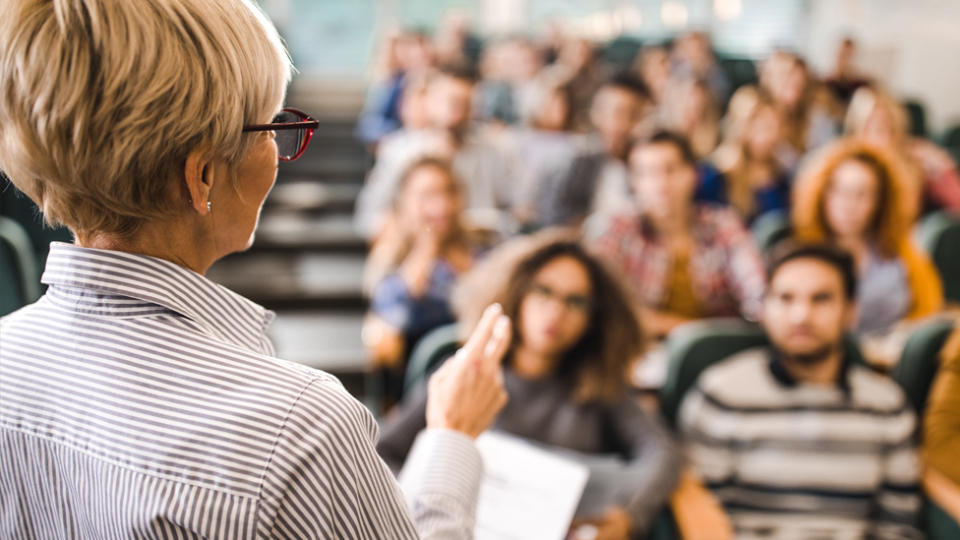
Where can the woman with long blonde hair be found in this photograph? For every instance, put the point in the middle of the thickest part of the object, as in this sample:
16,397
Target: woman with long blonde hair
755,180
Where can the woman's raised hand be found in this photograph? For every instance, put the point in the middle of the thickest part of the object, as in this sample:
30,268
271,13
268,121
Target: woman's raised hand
467,392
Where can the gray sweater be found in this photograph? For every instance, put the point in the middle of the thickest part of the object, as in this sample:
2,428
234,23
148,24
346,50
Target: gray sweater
543,412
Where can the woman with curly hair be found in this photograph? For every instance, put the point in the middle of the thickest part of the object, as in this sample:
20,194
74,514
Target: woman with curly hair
860,197
575,334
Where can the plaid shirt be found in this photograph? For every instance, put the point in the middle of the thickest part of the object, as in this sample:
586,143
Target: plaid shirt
725,265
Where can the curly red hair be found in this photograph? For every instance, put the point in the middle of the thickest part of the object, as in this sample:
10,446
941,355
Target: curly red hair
896,205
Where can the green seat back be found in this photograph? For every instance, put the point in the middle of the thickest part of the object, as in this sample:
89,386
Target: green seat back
740,71
19,277
770,228
694,347
919,361
18,207
937,524
432,349
951,137
917,115
621,51
11,288
939,235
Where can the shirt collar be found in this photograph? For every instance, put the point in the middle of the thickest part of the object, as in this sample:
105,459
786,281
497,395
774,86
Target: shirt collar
162,283
784,378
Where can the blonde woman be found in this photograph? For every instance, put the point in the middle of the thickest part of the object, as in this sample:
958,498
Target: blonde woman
802,101
140,399
755,180
414,266
878,118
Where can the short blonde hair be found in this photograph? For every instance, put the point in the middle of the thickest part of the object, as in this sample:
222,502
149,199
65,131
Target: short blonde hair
101,101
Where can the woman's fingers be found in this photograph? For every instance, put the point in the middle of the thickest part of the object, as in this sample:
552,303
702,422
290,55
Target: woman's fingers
498,343
477,343
467,392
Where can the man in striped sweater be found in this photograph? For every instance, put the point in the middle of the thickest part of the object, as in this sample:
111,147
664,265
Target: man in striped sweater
796,439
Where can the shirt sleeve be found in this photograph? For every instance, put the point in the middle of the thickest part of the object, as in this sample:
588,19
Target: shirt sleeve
325,479
441,481
392,302
654,466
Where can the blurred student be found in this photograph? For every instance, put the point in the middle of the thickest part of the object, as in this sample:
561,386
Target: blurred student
412,269
578,65
878,118
403,55
685,260
859,197
596,179
753,180
692,58
487,172
509,68
652,66
543,144
802,104
574,336
690,110
797,440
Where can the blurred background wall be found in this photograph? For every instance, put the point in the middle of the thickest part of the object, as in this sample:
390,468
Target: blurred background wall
911,46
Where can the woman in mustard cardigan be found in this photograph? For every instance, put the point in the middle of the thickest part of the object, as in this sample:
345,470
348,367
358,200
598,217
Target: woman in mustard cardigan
862,198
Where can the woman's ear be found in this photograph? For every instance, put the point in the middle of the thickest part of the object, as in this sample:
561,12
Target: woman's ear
198,178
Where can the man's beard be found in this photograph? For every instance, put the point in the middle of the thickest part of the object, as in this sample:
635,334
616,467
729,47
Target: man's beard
812,358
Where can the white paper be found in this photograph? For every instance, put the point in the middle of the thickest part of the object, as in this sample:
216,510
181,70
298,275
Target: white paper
527,493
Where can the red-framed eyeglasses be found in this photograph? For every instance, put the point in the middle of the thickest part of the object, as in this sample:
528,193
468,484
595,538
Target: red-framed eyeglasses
293,128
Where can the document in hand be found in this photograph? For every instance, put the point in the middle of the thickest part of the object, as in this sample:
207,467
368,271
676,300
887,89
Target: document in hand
527,493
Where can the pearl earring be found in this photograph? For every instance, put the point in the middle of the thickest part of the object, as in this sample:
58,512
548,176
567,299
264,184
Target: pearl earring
209,206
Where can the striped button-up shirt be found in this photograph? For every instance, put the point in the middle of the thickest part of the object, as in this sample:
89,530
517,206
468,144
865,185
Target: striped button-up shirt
140,400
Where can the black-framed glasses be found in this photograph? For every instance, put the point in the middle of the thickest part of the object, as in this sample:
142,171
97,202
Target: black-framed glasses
575,302
293,128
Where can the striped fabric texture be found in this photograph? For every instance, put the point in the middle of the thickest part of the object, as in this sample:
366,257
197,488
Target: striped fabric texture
793,460
140,400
